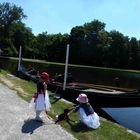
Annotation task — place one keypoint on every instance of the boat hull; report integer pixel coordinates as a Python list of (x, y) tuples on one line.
[(99, 98)]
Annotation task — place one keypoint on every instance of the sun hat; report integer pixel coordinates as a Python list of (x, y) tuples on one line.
[(82, 98), (44, 75)]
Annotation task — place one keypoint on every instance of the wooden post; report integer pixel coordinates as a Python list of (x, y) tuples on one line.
[(19, 59), (66, 67)]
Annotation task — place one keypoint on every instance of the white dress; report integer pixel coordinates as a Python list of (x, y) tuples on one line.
[(41, 103), (91, 120)]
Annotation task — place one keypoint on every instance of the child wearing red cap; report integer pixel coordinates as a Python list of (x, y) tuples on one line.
[(86, 112), (41, 98)]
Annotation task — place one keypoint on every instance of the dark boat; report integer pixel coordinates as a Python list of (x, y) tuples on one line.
[(99, 95), (28, 74)]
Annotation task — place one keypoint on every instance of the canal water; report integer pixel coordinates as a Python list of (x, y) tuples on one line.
[(127, 117), (93, 75)]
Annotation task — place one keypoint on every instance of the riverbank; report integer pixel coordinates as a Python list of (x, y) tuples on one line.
[(18, 120), (107, 130)]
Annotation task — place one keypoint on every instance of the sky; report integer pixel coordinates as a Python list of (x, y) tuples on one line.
[(60, 16)]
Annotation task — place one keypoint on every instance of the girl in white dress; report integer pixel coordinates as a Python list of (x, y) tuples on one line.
[(40, 101), (86, 112)]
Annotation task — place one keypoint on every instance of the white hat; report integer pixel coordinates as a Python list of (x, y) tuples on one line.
[(82, 98)]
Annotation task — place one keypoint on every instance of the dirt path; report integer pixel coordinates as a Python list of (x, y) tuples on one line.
[(17, 120)]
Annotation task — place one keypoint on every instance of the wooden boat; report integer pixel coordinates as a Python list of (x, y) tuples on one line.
[(99, 96), (28, 75)]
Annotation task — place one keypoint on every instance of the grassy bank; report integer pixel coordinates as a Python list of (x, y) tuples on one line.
[(107, 130)]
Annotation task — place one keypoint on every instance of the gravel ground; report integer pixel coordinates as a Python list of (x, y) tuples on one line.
[(17, 120)]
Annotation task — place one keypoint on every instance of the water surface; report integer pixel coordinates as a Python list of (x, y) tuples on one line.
[(127, 117)]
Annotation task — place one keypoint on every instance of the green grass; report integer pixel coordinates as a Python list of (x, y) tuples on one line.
[(75, 65), (107, 130)]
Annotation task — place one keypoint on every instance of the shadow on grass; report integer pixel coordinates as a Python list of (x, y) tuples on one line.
[(54, 98), (79, 127), (30, 125)]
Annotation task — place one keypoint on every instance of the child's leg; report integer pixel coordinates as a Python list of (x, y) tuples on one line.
[(38, 116)]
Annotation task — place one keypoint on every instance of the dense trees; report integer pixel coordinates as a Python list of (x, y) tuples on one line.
[(90, 44), (10, 15)]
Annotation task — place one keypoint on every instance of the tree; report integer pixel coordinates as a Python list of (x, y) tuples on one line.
[(102, 52), (84, 41), (41, 45), (9, 14), (22, 36), (77, 37), (118, 51), (134, 53)]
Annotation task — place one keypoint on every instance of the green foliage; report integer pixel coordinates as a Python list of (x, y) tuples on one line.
[(8, 47), (85, 42), (134, 53), (50, 47), (12, 31), (9, 14), (90, 43), (94, 26)]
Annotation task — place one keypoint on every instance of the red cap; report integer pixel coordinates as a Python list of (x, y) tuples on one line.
[(44, 75)]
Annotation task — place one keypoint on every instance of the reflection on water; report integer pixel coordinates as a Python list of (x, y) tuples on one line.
[(127, 117)]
